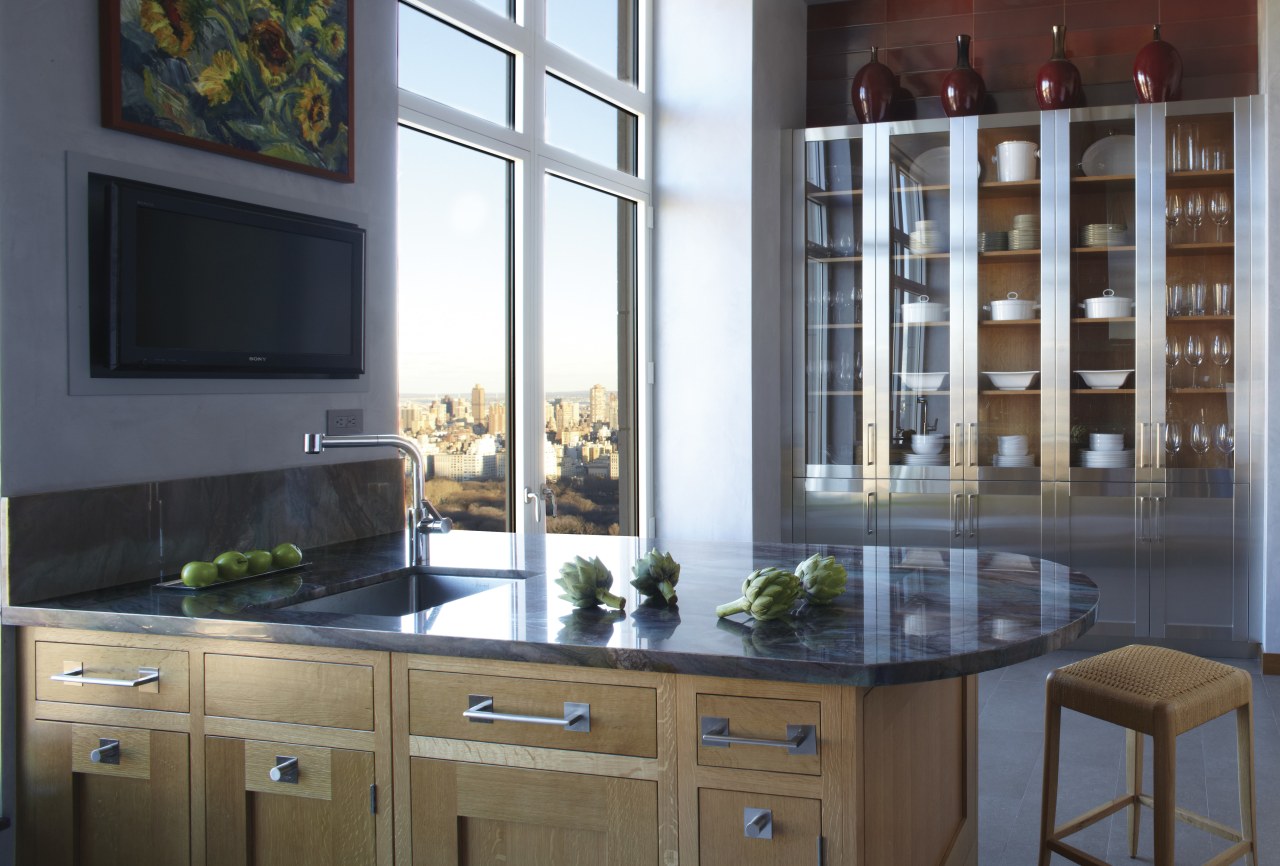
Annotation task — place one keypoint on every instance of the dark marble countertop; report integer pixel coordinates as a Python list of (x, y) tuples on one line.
[(908, 614)]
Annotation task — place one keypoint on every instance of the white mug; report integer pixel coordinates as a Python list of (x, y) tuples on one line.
[(1016, 160)]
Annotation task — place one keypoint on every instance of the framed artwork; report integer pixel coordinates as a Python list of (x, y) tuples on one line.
[(265, 80)]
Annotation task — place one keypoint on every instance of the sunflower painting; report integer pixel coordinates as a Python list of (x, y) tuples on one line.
[(268, 80)]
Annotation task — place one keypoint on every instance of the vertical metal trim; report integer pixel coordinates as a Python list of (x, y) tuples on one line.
[(1149, 270), (971, 306), (1061, 334), (1151, 571), (875, 323), (1049, 289), (1246, 227), (962, 207)]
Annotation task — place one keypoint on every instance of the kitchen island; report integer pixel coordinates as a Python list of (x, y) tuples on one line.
[(661, 735)]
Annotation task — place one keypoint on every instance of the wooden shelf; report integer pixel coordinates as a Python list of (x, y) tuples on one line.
[(902, 257), (1180, 179), (1088, 251), (922, 324), (835, 393), (1207, 392), (1193, 319), (1085, 321), (1007, 323), (1103, 391), (1198, 248), (946, 393), (929, 187), (1102, 180), (1011, 392), (835, 259), (850, 327), (1008, 188), (1003, 256), (815, 193)]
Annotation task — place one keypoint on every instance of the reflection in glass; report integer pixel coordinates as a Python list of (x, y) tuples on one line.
[(431, 55), (501, 7), (590, 127), (601, 32)]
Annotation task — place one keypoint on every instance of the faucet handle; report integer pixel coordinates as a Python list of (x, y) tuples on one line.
[(434, 521)]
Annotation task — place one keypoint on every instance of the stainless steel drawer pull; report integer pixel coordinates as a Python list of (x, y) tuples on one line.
[(577, 717), (77, 677), (285, 770), (757, 823), (108, 752), (801, 739)]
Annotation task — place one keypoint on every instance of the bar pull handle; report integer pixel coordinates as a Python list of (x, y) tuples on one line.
[(285, 770), (870, 446), (972, 444), (1157, 519), (1140, 443), (957, 514), (870, 514), (801, 739), (1142, 519), (757, 823), (973, 515), (108, 752), (577, 717), (76, 677), (1158, 445), (957, 445)]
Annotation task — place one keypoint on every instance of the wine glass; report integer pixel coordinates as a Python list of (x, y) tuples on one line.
[(1195, 213), (1220, 210), (1172, 213), (1224, 438), (1201, 437), (1172, 438), (1220, 354), (1193, 355)]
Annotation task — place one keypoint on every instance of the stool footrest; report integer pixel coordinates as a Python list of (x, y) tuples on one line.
[(1231, 855), (1093, 816), (1074, 854), (1199, 821)]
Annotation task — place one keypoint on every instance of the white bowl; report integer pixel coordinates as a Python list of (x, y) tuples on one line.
[(1012, 449), (925, 444), (1106, 441), (922, 381), (1104, 380), (1012, 309), (1012, 381), (923, 310)]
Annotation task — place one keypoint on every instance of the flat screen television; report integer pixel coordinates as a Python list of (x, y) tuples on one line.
[(188, 285)]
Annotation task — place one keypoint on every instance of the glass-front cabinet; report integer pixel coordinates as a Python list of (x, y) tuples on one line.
[(1022, 333)]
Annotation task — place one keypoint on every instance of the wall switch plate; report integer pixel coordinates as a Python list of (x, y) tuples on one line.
[(341, 422)]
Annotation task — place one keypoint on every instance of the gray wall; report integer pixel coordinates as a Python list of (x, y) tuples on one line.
[(729, 79), (51, 440)]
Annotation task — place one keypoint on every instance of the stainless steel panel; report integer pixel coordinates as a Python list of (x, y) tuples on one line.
[(1193, 569), (1149, 275), (1101, 526), (923, 513), (838, 512), (1007, 516)]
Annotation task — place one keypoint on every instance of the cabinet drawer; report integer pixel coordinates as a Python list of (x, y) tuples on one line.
[(786, 830), (121, 665), (763, 719), (622, 719), (325, 694)]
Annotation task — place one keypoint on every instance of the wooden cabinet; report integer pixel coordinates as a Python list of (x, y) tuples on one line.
[(760, 829)]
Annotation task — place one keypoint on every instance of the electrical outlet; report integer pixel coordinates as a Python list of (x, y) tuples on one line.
[(339, 422)]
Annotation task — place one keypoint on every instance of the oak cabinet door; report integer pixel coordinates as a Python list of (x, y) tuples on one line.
[(473, 814), (792, 825), (318, 813), (132, 807)]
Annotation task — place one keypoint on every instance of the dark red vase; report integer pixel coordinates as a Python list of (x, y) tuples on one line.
[(963, 90), (872, 90), (1058, 83), (1157, 71)]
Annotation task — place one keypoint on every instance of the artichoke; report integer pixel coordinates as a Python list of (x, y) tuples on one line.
[(586, 583), (823, 578), (655, 620), (767, 593), (589, 626), (656, 575)]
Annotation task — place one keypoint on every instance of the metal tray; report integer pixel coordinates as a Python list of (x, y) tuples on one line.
[(170, 582)]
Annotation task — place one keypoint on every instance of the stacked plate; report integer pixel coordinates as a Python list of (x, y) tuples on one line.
[(1106, 459), (1014, 460), (926, 238), (990, 242), (913, 459), (1025, 234), (1103, 235)]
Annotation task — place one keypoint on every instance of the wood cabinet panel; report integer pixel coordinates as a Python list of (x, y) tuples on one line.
[(285, 690), (471, 814), (796, 825), (758, 718), (171, 692), (623, 718)]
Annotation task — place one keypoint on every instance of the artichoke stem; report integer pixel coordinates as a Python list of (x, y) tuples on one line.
[(668, 591), (732, 607), (606, 597)]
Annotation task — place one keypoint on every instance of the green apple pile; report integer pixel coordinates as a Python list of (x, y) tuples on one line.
[(234, 564)]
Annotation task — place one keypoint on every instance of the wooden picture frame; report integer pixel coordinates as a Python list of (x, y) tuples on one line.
[(270, 80)]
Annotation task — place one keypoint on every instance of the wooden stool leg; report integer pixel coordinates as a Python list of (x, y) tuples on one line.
[(1133, 782), (1164, 763), (1244, 756), (1049, 790)]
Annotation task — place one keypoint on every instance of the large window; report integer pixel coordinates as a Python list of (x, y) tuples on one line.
[(523, 190)]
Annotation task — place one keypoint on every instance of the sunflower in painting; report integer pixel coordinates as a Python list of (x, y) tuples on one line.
[(270, 46), (312, 111), (169, 23), (215, 81)]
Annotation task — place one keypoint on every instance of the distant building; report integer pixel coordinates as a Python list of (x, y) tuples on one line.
[(477, 403), (598, 404), (496, 422), (469, 467)]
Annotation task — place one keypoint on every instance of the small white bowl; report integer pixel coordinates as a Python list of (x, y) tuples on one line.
[(1012, 449), (922, 381), (923, 444), (1104, 380), (1106, 441), (1012, 381)]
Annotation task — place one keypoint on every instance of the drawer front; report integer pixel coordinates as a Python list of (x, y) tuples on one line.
[(130, 759), (765, 719), (311, 774), (296, 692), (622, 719), (120, 665), (786, 830)]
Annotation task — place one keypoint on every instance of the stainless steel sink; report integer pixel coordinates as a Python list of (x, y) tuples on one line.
[(409, 590)]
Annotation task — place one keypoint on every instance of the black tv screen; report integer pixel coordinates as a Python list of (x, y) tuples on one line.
[(183, 284)]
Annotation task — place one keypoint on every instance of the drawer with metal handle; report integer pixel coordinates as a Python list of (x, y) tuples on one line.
[(584, 717), (748, 733), (111, 751), (131, 677)]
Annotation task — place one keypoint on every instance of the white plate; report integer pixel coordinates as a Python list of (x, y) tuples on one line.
[(924, 459), (1110, 155), (932, 166)]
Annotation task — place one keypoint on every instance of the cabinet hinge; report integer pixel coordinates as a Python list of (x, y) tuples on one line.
[(373, 799)]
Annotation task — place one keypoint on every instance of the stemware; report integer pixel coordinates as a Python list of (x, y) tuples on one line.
[(1220, 211), (1172, 356), (1172, 213), (1200, 439), (1193, 355), (1220, 354), (1224, 438), (1195, 214), (1172, 438)]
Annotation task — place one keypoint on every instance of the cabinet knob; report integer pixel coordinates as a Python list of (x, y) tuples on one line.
[(757, 823), (108, 752), (285, 770)]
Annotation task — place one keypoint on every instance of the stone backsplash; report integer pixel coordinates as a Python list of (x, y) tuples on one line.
[(73, 541)]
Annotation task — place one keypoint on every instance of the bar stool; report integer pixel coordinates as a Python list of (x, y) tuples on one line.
[(1161, 692)]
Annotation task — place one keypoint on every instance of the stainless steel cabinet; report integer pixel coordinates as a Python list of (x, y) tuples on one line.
[(960, 364)]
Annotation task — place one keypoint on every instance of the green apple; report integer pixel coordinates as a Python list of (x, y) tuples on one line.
[(199, 573), (286, 555), (197, 606), (259, 561), (231, 565)]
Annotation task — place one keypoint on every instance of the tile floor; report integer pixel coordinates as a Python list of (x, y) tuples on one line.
[(1010, 757)]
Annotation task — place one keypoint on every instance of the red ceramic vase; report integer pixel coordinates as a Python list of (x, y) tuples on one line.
[(1058, 84), (1157, 71), (872, 90), (963, 90)]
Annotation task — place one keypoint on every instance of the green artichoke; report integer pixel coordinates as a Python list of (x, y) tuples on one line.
[(589, 626), (656, 575), (823, 578), (586, 583), (767, 593)]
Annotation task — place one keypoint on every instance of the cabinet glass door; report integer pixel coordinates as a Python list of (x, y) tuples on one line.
[(1104, 237), (834, 363)]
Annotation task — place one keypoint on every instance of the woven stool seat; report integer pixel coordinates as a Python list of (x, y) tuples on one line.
[(1162, 693)]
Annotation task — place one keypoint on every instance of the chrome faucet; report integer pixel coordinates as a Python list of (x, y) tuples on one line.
[(421, 518)]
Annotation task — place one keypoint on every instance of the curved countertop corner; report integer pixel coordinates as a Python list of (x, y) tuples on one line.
[(908, 614)]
